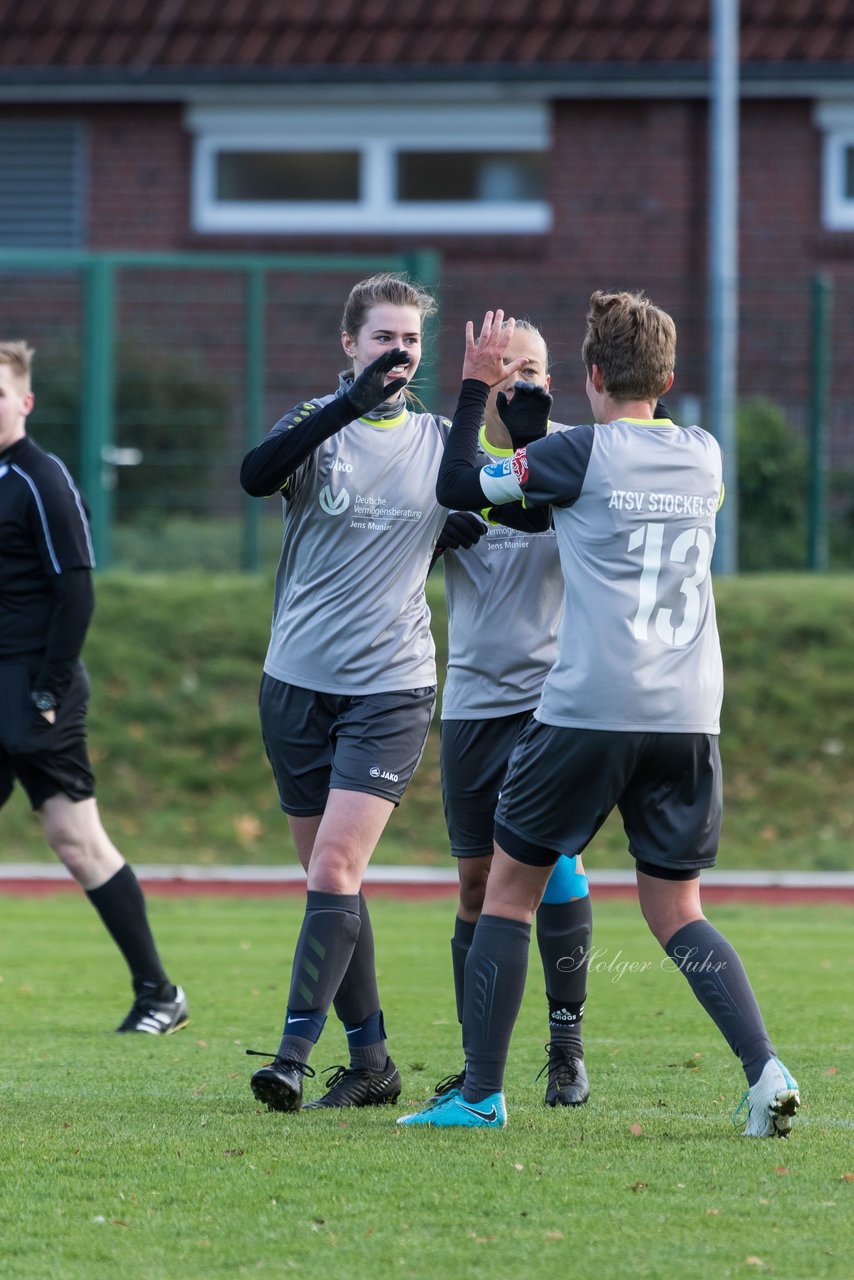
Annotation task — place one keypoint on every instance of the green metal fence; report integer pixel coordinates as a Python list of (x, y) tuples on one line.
[(98, 316), (179, 363)]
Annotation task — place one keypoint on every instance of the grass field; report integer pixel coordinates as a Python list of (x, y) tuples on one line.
[(175, 662), (149, 1160)]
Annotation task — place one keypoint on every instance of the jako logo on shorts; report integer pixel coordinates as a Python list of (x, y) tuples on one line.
[(376, 772), (334, 504)]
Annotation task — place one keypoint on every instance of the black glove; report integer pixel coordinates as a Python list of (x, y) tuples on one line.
[(526, 416), (661, 410), (369, 389), (461, 529)]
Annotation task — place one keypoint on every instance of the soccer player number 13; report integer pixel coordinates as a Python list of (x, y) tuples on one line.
[(651, 538)]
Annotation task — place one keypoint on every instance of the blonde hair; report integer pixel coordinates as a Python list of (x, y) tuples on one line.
[(19, 357), (528, 326), (632, 342), (385, 287)]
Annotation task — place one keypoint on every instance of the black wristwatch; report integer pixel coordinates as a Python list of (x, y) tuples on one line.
[(42, 700)]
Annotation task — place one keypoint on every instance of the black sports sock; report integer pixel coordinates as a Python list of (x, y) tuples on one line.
[(329, 931), (357, 1001), (495, 982), (460, 945), (121, 905), (358, 996), (717, 978), (564, 930)]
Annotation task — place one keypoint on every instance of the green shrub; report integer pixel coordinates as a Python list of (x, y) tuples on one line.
[(166, 406), (772, 489)]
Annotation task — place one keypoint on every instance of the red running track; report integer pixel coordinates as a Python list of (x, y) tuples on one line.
[(778, 895)]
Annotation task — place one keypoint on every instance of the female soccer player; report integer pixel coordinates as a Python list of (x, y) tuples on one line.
[(509, 586), (349, 679), (630, 713)]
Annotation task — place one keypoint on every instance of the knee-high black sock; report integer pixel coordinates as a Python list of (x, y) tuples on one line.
[(495, 982), (717, 978), (121, 905), (357, 1001), (329, 931), (564, 931), (460, 946)]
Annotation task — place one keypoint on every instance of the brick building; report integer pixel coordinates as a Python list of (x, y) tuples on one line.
[(542, 150)]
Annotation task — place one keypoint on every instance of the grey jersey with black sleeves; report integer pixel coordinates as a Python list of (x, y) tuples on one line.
[(633, 504), (504, 597), (360, 522)]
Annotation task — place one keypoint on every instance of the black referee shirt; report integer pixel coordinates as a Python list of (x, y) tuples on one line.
[(44, 534)]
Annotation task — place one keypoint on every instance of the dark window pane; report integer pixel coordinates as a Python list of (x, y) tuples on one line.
[(42, 189), (849, 173), (288, 175), (490, 176)]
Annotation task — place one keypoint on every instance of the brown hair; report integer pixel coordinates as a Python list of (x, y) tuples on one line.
[(633, 342), (384, 288), (19, 357)]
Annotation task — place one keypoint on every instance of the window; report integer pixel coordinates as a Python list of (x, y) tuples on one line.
[(366, 169), (837, 122), (295, 176), (41, 192)]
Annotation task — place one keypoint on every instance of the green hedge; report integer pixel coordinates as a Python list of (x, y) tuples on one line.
[(175, 662)]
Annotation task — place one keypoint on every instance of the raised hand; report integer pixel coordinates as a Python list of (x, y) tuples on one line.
[(526, 413), (370, 388), (484, 358)]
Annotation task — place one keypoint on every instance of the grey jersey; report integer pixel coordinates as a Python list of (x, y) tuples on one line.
[(634, 508), (504, 596), (360, 523)]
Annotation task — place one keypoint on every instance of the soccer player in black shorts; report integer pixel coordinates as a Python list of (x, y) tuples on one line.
[(349, 678), (46, 602), (505, 600), (629, 716)]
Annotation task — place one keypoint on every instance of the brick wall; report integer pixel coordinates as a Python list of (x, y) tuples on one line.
[(629, 189)]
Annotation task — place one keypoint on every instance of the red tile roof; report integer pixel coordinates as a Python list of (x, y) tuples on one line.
[(141, 37)]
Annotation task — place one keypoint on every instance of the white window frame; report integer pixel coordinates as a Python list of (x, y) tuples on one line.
[(377, 133), (836, 120)]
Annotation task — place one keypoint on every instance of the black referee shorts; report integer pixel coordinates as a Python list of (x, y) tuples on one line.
[(562, 784), (47, 759)]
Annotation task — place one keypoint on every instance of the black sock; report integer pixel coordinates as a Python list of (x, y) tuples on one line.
[(121, 905), (564, 930), (495, 982), (329, 931), (717, 978), (460, 945), (357, 1000)]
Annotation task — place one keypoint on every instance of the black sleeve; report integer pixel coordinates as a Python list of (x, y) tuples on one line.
[(458, 482), (517, 516), (294, 438), (74, 603)]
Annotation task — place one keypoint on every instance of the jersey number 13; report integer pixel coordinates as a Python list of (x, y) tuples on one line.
[(651, 538)]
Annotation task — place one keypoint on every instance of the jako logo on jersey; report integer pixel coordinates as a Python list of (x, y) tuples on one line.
[(338, 465), (519, 466), (332, 504), (376, 772)]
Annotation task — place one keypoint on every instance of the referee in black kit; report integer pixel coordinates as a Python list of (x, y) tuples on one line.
[(46, 602)]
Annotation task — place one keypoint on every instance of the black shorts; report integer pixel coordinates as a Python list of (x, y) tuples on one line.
[(47, 759), (319, 741), (474, 755), (562, 783)]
